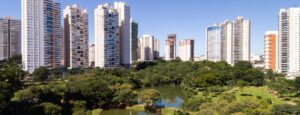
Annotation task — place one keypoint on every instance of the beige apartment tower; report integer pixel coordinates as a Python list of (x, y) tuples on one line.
[(107, 37), (10, 38), (186, 50), (75, 37), (149, 48), (170, 48), (92, 55), (124, 32)]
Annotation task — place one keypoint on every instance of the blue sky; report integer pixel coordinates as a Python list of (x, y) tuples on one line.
[(186, 18)]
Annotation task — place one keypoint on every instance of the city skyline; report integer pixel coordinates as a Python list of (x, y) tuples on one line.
[(166, 57), (171, 20)]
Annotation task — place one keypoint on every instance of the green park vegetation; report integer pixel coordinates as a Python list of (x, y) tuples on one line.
[(214, 88)]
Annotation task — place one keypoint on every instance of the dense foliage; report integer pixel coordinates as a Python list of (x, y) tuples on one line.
[(10, 75), (79, 91), (40, 74)]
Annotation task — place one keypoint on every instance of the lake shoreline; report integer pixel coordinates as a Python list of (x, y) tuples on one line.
[(171, 100)]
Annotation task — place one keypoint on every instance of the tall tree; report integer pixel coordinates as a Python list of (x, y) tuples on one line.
[(40, 74)]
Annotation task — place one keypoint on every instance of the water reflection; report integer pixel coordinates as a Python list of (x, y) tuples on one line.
[(171, 97)]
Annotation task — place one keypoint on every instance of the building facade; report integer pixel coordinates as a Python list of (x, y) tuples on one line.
[(186, 50), (107, 37), (156, 49), (213, 43), (92, 55), (270, 50), (41, 34), (289, 41), (170, 48), (229, 41), (75, 37), (294, 40), (124, 26), (148, 48), (283, 37), (133, 41), (10, 38), (241, 40)]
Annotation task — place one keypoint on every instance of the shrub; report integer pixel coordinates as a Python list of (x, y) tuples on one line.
[(244, 94)]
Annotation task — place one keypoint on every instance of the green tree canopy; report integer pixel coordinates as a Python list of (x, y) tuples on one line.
[(150, 96), (40, 74)]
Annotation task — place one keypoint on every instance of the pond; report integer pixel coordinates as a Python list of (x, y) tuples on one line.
[(171, 97)]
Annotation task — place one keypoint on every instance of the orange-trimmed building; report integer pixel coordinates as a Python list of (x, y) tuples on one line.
[(270, 50)]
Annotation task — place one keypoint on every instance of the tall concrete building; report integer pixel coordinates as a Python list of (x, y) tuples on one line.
[(133, 41), (229, 41), (41, 34), (170, 48), (107, 38), (283, 41), (149, 48), (92, 55), (294, 40), (10, 38), (186, 50), (241, 39), (156, 49), (213, 43), (75, 37), (124, 26), (139, 50), (289, 41), (270, 50)]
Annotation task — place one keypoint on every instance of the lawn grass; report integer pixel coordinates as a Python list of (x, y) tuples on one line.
[(168, 111), (136, 108), (263, 92), (97, 111), (165, 111)]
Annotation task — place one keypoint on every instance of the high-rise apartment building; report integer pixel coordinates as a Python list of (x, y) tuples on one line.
[(241, 39), (92, 55), (229, 41), (139, 50), (41, 34), (133, 40), (294, 40), (10, 38), (124, 26), (289, 41), (270, 50), (149, 48), (170, 48), (213, 43), (107, 37), (186, 50), (283, 41), (156, 49), (75, 37)]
